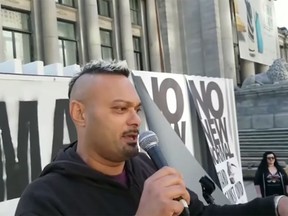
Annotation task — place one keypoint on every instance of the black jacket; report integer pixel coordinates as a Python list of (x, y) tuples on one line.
[(260, 179), (67, 186)]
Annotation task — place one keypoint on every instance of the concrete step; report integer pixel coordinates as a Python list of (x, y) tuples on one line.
[(274, 139), (248, 173), (255, 163), (260, 136), (251, 158), (264, 132), (257, 144), (272, 130), (263, 138), (261, 150), (245, 159), (260, 153), (258, 147), (261, 147)]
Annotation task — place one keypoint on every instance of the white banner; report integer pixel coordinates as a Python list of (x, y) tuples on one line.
[(257, 30), (34, 123), (212, 102)]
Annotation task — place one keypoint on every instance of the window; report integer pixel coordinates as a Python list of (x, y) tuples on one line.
[(66, 2), (106, 44), (135, 12), (104, 8), (67, 43), (16, 35), (137, 53)]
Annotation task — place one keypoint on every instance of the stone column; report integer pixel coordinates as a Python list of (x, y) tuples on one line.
[(211, 38), (153, 37), (190, 16), (126, 33), (259, 68), (116, 27), (227, 40), (203, 37), (50, 32), (92, 30), (37, 37), (170, 27), (2, 56), (247, 69)]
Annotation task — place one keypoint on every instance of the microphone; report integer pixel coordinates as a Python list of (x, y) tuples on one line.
[(148, 141)]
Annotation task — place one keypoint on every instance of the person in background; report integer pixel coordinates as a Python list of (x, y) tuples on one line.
[(103, 172), (270, 178)]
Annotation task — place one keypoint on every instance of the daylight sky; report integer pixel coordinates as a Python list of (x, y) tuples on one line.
[(281, 10)]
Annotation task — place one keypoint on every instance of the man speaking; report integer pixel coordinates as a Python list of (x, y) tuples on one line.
[(103, 173)]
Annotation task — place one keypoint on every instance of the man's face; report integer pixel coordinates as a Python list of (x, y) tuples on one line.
[(112, 121)]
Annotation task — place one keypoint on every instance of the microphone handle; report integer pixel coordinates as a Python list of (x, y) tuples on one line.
[(159, 161), (157, 157)]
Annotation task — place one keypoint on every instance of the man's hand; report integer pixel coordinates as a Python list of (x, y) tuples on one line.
[(283, 206), (160, 193)]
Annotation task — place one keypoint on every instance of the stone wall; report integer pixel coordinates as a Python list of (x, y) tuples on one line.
[(262, 116), (262, 107)]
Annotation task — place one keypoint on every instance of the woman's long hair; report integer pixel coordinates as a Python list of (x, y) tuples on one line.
[(263, 166)]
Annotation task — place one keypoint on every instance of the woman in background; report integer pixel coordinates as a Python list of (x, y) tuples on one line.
[(270, 178)]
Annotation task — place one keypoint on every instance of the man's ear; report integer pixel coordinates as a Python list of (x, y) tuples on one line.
[(77, 112)]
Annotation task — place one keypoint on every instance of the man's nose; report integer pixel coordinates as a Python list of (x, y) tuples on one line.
[(134, 118)]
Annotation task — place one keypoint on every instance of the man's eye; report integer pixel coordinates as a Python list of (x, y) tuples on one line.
[(120, 109), (139, 110)]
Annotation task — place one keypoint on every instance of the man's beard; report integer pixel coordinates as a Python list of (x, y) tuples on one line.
[(131, 152)]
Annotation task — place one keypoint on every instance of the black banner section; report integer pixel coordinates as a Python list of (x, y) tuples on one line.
[(19, 171), (62, 113), (23, 165), (28, 139), (7, 150)]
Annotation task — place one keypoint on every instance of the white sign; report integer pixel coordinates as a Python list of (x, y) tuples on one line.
[(34, 123), (257, 30), (212, 100)]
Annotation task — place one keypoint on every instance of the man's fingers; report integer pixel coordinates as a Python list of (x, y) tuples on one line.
[(166, 187), (170, 180), (163, 172), (177, 192), (176, 208), (166, 176)]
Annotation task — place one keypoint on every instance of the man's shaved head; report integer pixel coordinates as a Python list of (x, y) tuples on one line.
[(79, 81)]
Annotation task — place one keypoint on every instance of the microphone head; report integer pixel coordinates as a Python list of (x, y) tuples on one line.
[(147, 140)]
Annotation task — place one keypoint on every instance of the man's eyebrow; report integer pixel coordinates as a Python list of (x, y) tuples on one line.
[(139, 105), (120, 101), (126, 102)]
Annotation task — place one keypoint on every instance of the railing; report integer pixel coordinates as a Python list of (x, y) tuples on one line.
[(15, 66)]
